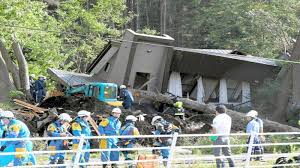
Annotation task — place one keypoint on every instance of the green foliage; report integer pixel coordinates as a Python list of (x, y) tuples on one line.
[(6, 105), (148, 31), (208, 142), (67, 37), (94, 21), (263, 95), (16, 94), (293, 113), (238, 140), (41, 48), (261, 28), (281, 148)]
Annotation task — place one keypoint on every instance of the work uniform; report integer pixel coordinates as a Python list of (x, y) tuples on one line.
[(108, 127), (54, 130), (17, 129), (165, 141), (40, 87), (2, 132), (127, 98), (254, 127), (81, 127), (129, 129), (179, 108), (32, 87)]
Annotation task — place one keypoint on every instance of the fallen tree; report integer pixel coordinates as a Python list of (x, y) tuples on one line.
[(238, 122)]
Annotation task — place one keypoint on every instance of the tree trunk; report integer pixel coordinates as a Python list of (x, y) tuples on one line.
[(23, 68), (11, 67), (133, 10), (5, 83), (147, 13), (137, 3), (163, 13), (238, 122)]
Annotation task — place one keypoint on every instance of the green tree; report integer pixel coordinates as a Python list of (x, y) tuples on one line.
[(67, 36), (263, 28), (42, 49), (94, 21)]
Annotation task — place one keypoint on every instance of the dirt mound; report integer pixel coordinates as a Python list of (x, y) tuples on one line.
[(99, 109), (73, 103)]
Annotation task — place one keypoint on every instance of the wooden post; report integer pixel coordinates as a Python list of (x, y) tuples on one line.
[(223, 99)]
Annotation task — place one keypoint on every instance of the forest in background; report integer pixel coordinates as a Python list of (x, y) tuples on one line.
[(68, 34)]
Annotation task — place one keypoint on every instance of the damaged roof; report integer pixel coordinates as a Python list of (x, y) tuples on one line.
[(221, 63), (70, 78), (228, 55)]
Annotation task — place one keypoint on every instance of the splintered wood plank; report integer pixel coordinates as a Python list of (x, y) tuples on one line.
[(94, 125), (30, 106)]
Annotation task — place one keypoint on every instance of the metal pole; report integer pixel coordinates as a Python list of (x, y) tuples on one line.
[(172, 150), (79, 151), (248, 156)]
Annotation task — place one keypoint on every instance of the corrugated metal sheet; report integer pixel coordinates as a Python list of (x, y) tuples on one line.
[(70, 78), (226, 54), (219, 51)]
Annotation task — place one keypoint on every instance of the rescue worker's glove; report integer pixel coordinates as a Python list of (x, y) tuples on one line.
[(2, 148), (67, 145)]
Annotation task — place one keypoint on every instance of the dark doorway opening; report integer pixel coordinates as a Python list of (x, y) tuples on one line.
[(140, 81)]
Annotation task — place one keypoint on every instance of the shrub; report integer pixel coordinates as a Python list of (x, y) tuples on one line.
[(16, 94)]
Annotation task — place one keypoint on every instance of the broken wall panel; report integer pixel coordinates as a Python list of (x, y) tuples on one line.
[(148, 59), (175, 86)]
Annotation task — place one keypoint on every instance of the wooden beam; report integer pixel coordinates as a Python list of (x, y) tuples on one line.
[(238, 119), (94, 125)]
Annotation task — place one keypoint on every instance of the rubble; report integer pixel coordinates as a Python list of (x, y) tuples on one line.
[(198, 116)]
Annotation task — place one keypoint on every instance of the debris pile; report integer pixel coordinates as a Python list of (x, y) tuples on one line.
[(198, 116)]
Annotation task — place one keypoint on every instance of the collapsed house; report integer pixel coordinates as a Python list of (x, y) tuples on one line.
[(151, 63)]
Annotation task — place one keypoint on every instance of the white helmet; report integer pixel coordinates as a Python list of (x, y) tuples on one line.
[(65, 117), (154, 119), (116, 110), (83, 113), (252, 114), (32, 75), (7, 114), (122, 87), (43, 77), (131, 118)]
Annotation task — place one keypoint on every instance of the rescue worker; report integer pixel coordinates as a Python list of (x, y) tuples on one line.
[(2, 129), (17, 129), (40, 88), (253, 127), (32, 85), (179, 108), (109, 127), (59, 128), (163, 127), (81, 127), (129, 129), (126, 96)]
